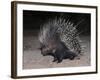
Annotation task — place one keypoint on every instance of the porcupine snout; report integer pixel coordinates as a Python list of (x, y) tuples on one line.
[(45, 50)]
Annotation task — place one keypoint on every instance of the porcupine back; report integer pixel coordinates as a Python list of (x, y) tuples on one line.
[(65, 30)]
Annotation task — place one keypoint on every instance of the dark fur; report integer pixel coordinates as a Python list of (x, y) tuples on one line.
[(61, 52)]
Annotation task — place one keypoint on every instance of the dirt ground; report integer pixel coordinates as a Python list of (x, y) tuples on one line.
[(33, 59)]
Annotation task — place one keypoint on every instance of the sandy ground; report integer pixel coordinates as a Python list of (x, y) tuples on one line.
[(33, 59)]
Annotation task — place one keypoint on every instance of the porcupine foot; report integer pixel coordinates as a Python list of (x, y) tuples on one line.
[(72, 57), (55, 59), (59, 60)]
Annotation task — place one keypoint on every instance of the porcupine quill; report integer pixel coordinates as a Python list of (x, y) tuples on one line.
[(59, 37)]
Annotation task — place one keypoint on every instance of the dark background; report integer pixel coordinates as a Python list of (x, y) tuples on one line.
[(32, 20)]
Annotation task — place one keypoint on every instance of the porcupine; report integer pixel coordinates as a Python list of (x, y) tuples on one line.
[(59, 38)]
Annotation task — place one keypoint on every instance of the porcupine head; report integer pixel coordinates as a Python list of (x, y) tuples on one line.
[(49, 47)]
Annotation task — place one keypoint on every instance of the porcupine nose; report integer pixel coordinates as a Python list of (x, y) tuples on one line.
[(43, 53)]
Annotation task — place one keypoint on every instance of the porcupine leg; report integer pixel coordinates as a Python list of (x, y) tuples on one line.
[(59, 59), (72, 55), (59, 56), (55, 58)]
